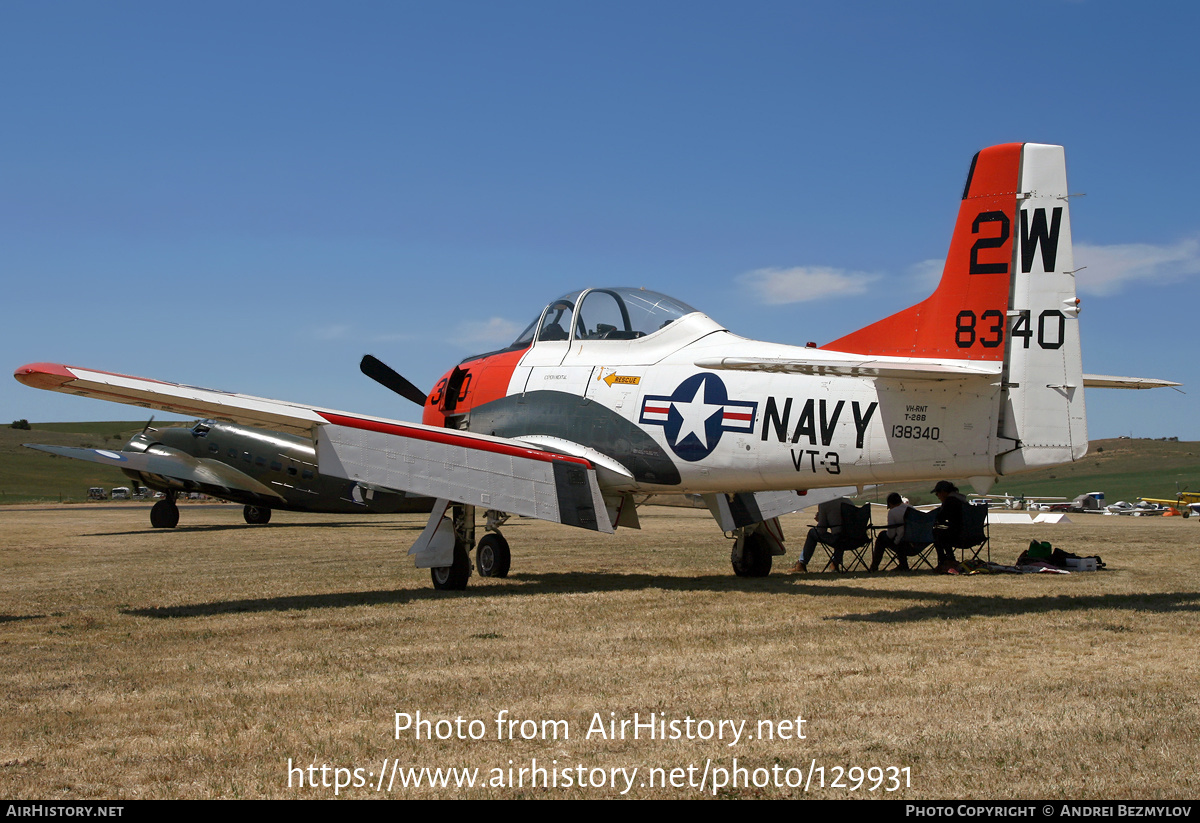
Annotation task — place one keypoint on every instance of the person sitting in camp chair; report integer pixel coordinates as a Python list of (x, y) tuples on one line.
[(829, 525), (892, 539), (949, 524)]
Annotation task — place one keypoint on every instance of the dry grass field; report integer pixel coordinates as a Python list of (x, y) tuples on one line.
[(196, 663)]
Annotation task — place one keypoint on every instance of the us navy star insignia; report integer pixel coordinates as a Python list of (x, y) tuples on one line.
[(696, 414)]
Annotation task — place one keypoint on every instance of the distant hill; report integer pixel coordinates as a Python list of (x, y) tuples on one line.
[(1123, 469), (27, 475)]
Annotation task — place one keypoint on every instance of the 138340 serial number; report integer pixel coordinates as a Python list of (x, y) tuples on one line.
[(916, 432)]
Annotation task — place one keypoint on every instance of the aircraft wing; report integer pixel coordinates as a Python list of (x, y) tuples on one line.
[(173, 397), (912, 369), (178, 467), (1109, 381), (474, 469)]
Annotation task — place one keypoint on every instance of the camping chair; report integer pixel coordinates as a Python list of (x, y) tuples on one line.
[(853, 537), (918, 539), (974, 536)]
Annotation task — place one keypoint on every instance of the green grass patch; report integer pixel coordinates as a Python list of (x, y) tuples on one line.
[(27, 475)]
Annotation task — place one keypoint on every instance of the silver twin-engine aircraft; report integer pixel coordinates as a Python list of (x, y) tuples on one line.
[(612, 393), (263, 470)]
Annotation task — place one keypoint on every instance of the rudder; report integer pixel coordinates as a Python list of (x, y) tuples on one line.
[(1042, 412)]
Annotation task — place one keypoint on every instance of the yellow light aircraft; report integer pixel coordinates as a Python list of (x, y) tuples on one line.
[(1185, 502)]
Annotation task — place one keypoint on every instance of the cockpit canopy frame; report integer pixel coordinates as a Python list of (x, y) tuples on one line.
[(617, 313)]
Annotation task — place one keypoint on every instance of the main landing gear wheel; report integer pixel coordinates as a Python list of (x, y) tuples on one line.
[(257, 515), (164, 514), (453, 577), (756, 557), (492, 557)]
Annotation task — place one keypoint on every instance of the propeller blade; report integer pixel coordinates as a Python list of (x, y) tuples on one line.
[(385, 375)]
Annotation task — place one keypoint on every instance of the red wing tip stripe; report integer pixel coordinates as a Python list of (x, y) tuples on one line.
[(451, 438), (44, 375), (44, 368)]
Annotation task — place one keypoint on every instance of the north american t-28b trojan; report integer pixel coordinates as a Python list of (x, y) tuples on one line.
[(615, 392)]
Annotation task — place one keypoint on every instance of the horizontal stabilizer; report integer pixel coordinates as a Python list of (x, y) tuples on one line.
[(914, 369), (1109, 381), (734, 511)]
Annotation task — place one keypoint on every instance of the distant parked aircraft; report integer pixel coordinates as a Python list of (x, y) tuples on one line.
[(263, 470), (1188, 503)]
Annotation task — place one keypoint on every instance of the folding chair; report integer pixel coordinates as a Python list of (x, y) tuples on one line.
[(918, 540), (853, 538), (974, 536)]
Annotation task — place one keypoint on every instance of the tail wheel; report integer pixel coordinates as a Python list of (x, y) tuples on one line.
[(164, 514), (257, 515), (455, 576), (756, 557), (492, 557)]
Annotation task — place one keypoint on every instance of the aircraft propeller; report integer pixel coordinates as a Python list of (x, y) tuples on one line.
[(385, 375)]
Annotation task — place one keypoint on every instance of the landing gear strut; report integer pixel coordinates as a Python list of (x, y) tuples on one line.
[(165, 514), (492, 555)]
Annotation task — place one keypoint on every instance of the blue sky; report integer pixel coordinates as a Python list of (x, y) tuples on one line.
[(250, 196)]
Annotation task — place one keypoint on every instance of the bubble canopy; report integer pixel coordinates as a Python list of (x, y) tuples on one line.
[(619, 313)]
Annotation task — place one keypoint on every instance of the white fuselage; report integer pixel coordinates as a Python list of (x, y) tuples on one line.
[(733, 430)]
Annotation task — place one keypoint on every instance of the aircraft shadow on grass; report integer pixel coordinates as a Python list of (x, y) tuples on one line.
[(212, 528), (933, 606), (957, 606)]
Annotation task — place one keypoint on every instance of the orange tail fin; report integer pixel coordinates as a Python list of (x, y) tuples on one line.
[(965, 318)]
